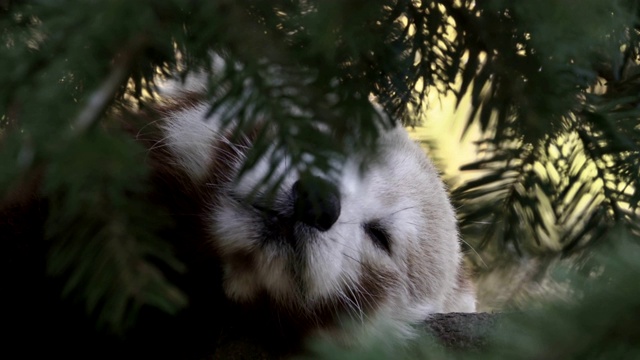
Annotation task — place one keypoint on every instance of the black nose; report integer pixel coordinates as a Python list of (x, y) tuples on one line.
[(316, 202)]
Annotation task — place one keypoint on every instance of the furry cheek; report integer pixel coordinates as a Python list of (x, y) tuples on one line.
[(332, 264), (232, 229)]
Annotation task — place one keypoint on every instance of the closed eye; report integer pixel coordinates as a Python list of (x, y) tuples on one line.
[(378, 235)]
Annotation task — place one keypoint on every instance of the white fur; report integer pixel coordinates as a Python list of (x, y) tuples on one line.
[(401, 190), (191, 139)]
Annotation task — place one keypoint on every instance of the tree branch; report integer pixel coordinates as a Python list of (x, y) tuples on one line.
[(102, 97)]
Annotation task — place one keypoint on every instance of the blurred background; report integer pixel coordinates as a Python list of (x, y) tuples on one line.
[(529, 108)]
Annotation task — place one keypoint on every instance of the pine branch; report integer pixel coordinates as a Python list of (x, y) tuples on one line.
[(100, 99)]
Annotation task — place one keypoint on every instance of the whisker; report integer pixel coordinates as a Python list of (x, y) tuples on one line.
[(476, 252), (352, 258), (147, 125), (404, 209)]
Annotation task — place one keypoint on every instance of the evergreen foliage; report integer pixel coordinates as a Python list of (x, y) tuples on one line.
[(553, 84), (560, 159)]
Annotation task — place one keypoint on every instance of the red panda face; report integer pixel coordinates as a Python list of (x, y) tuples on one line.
[(373, 247)]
